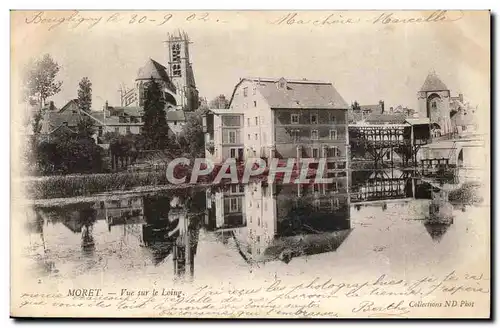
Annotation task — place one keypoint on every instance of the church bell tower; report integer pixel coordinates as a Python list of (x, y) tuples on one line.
[(181, 71)]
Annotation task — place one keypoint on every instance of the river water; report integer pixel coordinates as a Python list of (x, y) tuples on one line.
[(256, 231)]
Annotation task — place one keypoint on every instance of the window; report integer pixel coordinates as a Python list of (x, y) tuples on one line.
[(258, 221), (233, 153), (333, 119), (127, 129), (254, 90), (333, 134), (333, 152), (100, 131), (315, 187), (233, 204), (249, 136), (248, 121), (256, 137), (254, 103), (314, 118), (262, 120), (314, 134), (295, 135), (117, 130), (388, 155), (433, 105), (232, 136), (295, 118), (315, 152), (245, 92), (176, 70), (232, 120), (176, 52), (175, 122), (256, 121)]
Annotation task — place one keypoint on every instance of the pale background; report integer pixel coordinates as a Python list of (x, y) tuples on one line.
[(253, 67)]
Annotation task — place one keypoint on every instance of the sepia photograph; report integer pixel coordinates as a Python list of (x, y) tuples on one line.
[(250, 164)]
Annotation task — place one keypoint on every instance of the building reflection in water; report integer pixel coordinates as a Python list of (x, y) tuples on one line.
[(165, 225), (279, 222), (396, 184), (440, 216)]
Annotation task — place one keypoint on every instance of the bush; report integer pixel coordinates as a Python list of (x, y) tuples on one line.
[(67, 155)]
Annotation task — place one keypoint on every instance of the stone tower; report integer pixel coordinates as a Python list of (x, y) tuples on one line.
[(434, 102), (180, 70)]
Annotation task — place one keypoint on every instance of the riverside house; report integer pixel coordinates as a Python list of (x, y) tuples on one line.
[(279, 118)]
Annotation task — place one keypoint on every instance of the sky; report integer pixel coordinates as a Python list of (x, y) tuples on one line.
[(366, 61)]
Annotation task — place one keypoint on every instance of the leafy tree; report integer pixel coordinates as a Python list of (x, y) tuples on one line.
[(85, 124), (39, 83), (219, 102), (193, 138), (85, 95), (155, 122), (40, 79)]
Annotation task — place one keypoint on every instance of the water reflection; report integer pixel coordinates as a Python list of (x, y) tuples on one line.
[(279, 222), (257, 223)]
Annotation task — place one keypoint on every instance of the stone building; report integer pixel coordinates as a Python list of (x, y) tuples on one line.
[(281, 118), (434, 100)]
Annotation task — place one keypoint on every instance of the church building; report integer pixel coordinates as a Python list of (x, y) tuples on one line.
[(176, 78)]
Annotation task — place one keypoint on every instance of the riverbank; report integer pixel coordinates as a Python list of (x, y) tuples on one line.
[(91, 184)]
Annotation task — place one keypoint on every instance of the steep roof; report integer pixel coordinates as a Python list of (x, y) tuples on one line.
[(73, 103), (433, 83), (153, 69), (52, 120), (298, 94)]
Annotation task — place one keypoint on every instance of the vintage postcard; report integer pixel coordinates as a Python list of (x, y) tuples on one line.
[(250, 164)]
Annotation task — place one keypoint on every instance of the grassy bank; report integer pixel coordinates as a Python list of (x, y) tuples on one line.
[(85, 185)]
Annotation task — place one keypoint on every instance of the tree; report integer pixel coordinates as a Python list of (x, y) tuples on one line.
[(193, 136), (40, 79), (39, 83), (155, 122), (85, 124), (85, 95), (219, 102)]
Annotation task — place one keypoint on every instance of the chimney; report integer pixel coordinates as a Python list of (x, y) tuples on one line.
[(105, 108), (381, 104)]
